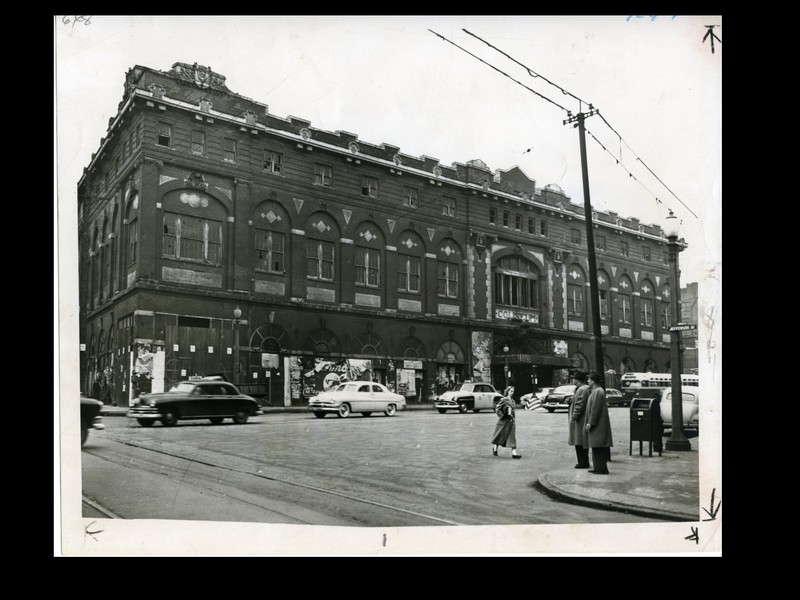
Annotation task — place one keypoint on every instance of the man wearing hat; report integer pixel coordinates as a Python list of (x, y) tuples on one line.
[(578, 436)]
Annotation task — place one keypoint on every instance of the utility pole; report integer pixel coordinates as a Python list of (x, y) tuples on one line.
[(594, 290)]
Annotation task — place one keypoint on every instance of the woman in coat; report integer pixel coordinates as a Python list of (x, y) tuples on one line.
[(598, 426), (505, 432), (578, 435)]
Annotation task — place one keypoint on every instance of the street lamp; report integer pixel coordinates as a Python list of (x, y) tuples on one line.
[(505, 350), (237, 318), (677, 440)]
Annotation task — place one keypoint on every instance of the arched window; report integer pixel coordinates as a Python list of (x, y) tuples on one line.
[(410, 252), (603, 284), (516, 282), (270, 224), (646, 318), (321, 248), (368, 249), (448, 265), (576, 282), (666, 314)]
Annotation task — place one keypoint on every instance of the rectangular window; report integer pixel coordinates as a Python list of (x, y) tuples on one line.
[(665, 317), (269, 247), (518, 222), (506, 219), (408, 274), (575, 236), (410, 197), (626, 249), (229, 150), (646, 253), (139, 134), (449, 207), (164, 135), (323, 175), (126, 153), (493, 216), (191, 238), (198, 143), (133, 241), (369, 186), (448, 280), (531, 225), (647, 312), (368, 267), (603, 304), (600, 242), (319, 260), (624, 308), (543, 228), (273, 161), (514, 290), (118, 165), (575, 299)]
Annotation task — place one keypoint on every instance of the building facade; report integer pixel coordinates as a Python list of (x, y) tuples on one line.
[(216, 237)]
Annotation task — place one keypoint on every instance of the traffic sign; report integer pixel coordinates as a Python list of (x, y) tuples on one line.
[(683, 327)]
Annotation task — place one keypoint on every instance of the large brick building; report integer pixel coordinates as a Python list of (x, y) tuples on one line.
[(346, 258)]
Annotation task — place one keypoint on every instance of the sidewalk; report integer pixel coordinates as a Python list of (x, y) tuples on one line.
[(662, 487)]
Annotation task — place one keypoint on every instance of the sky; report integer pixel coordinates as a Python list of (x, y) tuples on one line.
[(391, 80)]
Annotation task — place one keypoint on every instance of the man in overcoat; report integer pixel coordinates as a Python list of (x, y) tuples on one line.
[(598, 426), (578, 436)]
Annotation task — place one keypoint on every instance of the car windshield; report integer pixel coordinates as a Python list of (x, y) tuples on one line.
[(462, 387), (181, 388), (346, 386), (564, 389)]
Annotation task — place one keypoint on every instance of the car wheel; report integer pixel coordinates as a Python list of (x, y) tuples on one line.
[(550, 409), (442, 410), (216, 420), (320, 414), (84, 434), (462, 408), (240, 418), (145, 422), (170, 418), (391, 410), (344, 411)]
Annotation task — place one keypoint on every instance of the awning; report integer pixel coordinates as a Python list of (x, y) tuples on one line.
[(562, 362)]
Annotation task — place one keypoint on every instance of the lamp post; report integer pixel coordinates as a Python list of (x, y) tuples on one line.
[(237, 318), (677, 439), (505, 351)]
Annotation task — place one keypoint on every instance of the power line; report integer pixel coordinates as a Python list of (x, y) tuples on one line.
[(502, 72), (533, 74)]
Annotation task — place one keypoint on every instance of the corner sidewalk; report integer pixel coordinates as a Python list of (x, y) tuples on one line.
[(662, 487)]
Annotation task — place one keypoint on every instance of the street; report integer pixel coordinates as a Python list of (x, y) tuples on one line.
[(418, 468)]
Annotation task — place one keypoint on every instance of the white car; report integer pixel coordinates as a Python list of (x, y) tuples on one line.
[(468, 395), (691, 408), (365, 397), (534, 400)]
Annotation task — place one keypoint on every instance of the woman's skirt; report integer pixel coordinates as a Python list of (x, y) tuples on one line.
[(505, 433)]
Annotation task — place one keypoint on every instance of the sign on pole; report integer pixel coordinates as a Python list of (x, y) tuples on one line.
[(683, 327)]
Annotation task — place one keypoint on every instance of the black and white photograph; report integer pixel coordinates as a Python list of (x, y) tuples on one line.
[(388, 285)]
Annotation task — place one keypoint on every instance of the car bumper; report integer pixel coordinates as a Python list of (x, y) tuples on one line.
[(449, 404), (143, 412)]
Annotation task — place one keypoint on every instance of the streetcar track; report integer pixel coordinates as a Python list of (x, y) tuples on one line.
[(279, 480)]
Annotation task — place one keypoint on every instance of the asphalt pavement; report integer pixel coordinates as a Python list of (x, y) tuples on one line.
[(662, 487)]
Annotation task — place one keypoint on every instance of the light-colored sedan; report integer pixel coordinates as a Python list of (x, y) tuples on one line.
[(365, 397), (691, 408)]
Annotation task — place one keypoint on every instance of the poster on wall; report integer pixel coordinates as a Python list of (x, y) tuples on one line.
[(270, 361), (296, 377), (321, 375), (406, 383), (481, 356)]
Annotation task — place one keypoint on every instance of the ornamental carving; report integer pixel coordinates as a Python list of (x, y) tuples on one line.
[(201, 76), (197, 181)]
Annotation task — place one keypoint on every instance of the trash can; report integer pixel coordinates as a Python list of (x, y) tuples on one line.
[(646, 425)]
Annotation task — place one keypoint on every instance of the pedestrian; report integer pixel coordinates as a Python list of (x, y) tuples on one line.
[(578, 436), (505, 432), (598, 426), (509, 393), (97, 389)]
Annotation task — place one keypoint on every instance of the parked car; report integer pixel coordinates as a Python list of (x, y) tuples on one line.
[(615, 398), (691, 408), (534, 399), (560, 397), (365, 397), (468, 395), (204, 399), (90, 417)]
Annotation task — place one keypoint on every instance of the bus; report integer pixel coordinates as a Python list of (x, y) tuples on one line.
[(632, 383)]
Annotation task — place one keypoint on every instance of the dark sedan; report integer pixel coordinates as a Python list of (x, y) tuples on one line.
[(212, 400), (90, 417), (560, 397)]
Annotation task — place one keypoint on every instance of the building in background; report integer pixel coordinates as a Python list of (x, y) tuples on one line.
[(689, 338), (347, 259)]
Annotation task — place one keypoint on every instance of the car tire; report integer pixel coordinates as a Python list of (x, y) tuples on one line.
[(462, 407), (442, 410), (216, 420), (145, 422), (240, 418), (391, 410), (344, 411), (366, 414), (170, 418), (320, 414)]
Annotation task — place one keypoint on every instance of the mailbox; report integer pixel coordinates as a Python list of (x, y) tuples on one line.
[(646, 425)]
